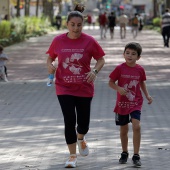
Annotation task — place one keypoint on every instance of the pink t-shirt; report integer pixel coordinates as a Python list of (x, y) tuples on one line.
[(74, 57), (129, 78)]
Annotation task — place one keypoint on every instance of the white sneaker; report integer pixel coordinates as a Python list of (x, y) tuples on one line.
[(71, 162), (83, 147)]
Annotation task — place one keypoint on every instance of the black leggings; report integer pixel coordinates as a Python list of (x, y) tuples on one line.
[(75, 108)]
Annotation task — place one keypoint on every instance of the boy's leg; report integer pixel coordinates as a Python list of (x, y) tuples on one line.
[(135, 118), (124, 137), (136, 135), (122, 121)]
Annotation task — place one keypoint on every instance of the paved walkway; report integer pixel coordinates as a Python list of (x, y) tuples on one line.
[(31, 122)]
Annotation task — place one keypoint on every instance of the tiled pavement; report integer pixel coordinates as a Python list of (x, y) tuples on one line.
[(31, 122)]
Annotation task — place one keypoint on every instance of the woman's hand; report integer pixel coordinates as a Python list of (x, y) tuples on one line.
[(91, 77), (51, 68)]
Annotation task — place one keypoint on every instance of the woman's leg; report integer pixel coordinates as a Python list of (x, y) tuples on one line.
[(67, 104), (83, 106)]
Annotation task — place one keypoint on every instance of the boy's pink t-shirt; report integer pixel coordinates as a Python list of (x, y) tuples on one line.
[(74, 57), (129, 78)]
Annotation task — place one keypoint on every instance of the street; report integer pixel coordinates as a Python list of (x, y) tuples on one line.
[(31, 122)]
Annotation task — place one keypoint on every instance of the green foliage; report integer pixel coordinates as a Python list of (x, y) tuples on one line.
[(152, 27), (17, 29), (156, 21), (5, 29)]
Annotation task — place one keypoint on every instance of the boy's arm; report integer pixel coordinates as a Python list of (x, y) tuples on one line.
[(119, 89), (145, 91)]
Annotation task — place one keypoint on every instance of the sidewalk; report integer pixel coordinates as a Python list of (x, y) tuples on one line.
[(31, 122)]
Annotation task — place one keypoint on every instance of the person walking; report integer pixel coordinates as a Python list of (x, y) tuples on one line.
[(165, 26), (89, 20), (103, 25), (3, 68), (58, 21), (74, 80), (111, 23), (141, 22), (135, 25), (93, 20), (123, 21), (128, 79)]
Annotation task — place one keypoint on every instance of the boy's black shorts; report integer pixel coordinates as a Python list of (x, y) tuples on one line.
[(122, 120)]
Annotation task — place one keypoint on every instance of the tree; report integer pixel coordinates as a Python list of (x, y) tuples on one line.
[(27, 7), (37, 6), (48, 9), (167, 3), (18, 8)]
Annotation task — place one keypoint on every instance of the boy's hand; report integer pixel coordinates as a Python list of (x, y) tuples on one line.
[(149, 98), (122, 91)]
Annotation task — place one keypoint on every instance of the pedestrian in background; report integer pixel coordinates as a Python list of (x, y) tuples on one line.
[(128, 79), (135, 25), (3, 68), (141, 22), (89, 20), (93, 19), (58, 21), (103, 21), (165, 26), (74, 81), (123, 21), (111, 23)]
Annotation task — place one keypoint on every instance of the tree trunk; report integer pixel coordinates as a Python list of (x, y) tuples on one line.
[(48, 9), (37, 6), (27, 7), (18, 8), (167, 3), (154, 8)]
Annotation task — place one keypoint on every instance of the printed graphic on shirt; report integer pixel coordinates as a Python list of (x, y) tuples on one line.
[(73, 65), (131, 92)]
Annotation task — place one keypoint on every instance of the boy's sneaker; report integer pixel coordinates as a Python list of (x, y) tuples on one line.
[(124, 157), (136, 160), (71, 162), (83, 147)]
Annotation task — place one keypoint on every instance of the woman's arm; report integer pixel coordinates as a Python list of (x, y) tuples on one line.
[(91, 76), (100, 63), (50, 66)]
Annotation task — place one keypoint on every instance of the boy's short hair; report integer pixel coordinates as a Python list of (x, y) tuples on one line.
[(134, 46), (1, 48)]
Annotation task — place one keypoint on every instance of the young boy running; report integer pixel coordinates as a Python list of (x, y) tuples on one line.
[(128, 79)]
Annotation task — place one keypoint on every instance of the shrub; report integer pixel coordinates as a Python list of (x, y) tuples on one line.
[(5, 29), (156, 21)]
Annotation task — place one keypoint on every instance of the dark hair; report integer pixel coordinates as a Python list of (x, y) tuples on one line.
[(76, 13), (1, 48), (134, 46), (167, 10)]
